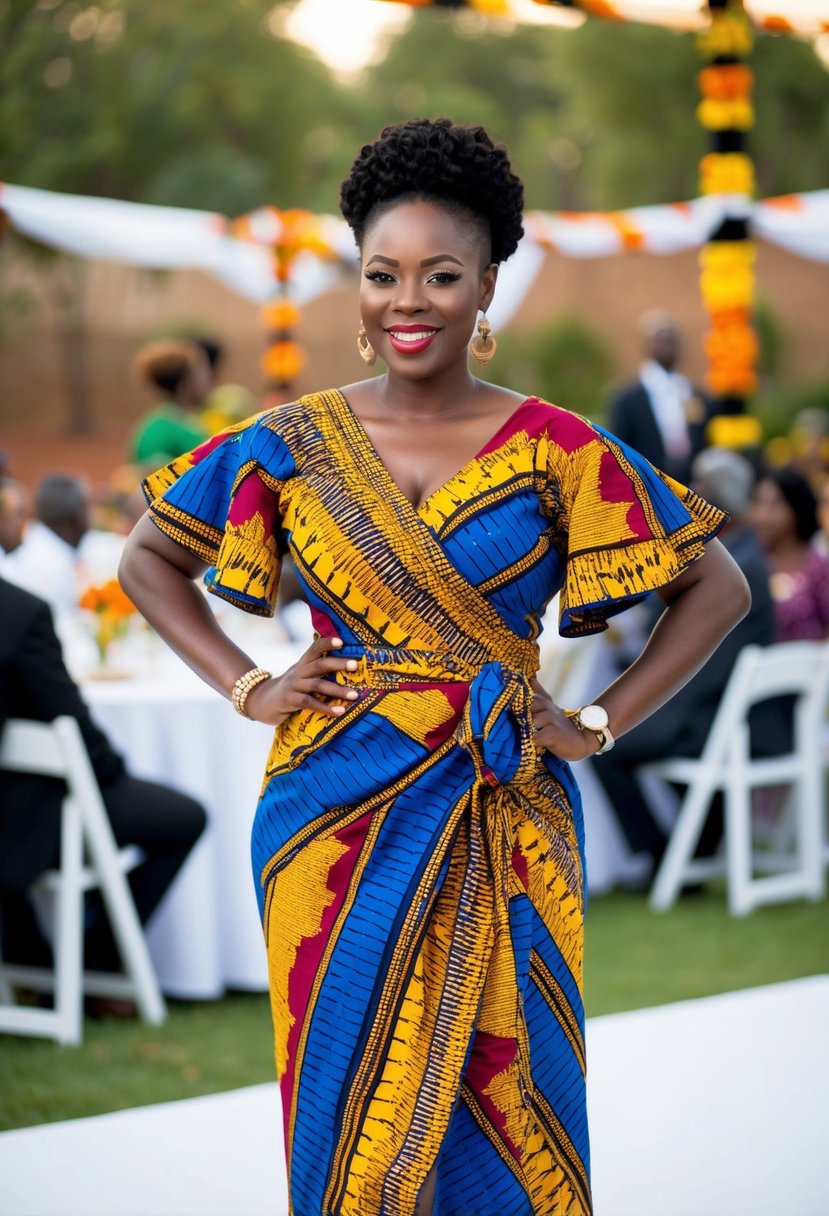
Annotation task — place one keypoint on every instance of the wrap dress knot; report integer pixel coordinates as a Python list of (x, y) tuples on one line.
[(419, 867)]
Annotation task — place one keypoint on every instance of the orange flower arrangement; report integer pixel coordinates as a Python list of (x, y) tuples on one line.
[(732, 349), (734, 431), (735, 114), (728, 34), (283, 361), (727, 173), (727, 266), (726, 81), (280, 314), (112, 609), (727, 275)]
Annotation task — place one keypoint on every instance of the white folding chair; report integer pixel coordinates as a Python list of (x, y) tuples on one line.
[(57, 750), (799, 668)]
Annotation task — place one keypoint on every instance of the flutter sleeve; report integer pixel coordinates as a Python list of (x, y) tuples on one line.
[(221, 502), (627, 528)]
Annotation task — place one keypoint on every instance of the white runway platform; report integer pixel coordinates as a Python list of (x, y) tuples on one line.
[(716, 1107)]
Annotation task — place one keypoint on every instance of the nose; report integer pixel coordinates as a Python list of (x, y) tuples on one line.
[(409, 298)]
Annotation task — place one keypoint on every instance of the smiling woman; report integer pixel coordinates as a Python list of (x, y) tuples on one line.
[(418, 845)]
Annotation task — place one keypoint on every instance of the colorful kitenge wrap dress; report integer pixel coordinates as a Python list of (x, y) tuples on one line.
[(419, 866)]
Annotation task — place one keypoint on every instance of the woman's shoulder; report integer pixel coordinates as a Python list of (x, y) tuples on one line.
[(566, 430), (278, 416)]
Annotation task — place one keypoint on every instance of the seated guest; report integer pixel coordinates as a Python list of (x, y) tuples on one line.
[(47, 562), (178, 372), (165, 824), (680, 727), (15, 509), (784, 514), (661, 414)]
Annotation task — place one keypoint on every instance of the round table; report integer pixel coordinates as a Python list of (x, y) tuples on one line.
[(170, 727)]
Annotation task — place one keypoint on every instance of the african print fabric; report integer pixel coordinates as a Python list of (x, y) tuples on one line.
[(419, 865)]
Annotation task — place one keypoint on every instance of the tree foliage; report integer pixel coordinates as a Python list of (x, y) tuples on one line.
[(184, 103), (200, 104)]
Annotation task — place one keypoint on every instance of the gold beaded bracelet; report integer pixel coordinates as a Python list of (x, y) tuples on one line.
[(240, 690)]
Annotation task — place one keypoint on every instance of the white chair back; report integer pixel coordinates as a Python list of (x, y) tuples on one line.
[(57, 749), (799, 669)]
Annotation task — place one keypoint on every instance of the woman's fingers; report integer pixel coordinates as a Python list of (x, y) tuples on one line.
[(319, 666), (308, 702), (327, 688)]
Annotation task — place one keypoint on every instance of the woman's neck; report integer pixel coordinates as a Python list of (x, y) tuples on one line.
[(447, 396)]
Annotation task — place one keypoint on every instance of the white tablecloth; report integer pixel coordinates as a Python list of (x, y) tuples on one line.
[(206, 935)]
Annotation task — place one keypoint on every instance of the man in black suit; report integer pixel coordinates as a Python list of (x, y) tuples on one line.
[(681, 727), (661, 414), (35, 684)]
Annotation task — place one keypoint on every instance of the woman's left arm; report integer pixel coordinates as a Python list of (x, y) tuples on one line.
[(703, 604)]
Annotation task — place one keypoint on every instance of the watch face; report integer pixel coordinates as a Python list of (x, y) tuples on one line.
[(593, 717)]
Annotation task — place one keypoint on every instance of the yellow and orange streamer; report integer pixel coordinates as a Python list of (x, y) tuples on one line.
[(678, 17), (727, 279), (287, 234)]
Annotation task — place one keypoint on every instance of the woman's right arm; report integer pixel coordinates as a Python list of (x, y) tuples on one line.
[(157, 574)]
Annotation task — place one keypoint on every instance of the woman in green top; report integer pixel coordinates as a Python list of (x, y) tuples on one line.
[(179, 371)]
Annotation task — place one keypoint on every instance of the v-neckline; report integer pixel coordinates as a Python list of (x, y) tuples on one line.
[(360, 440)]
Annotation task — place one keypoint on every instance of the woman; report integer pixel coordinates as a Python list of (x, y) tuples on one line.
[(179, 372), (418, 843), (785, 517)]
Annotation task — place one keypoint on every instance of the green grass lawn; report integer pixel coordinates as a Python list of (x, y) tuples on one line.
[(634, 958)]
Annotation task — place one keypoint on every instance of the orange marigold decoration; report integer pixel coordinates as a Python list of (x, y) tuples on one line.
[(283, 361), (727, 173), (280, 314), (287, 234), (727, 261), (111, 610)]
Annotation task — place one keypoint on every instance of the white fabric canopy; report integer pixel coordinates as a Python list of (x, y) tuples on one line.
[(668, 228), (168, 237), (797, 222), (778, 16), (161, 238)]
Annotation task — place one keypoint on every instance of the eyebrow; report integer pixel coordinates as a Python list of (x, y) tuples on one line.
[(441, 257)]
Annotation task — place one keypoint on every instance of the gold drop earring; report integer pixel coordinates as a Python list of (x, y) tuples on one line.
[(484, 346), (367, 351)]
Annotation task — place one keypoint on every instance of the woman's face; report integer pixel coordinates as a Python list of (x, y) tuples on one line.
[(422, 286), (771, 516)]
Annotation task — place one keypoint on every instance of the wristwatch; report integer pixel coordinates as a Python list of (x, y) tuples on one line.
[(594, 718)]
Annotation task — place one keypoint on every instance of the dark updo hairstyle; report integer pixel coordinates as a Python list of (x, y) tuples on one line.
[(167, 362), (799, 495), (456, 167)]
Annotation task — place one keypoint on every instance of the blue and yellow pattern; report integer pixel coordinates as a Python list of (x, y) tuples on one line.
[(419, 865)]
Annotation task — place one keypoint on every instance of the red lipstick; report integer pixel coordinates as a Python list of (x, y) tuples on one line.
[(417, 337)]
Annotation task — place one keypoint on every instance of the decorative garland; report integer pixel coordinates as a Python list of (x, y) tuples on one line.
[(287, 234), (631, 10), (684, 18), (727, 260)]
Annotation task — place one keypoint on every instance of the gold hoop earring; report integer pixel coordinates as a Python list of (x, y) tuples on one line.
[(367, 351), (484, 346)]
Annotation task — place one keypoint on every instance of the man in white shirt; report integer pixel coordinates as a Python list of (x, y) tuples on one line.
[(15, 509), (47, 562), (661, 414)]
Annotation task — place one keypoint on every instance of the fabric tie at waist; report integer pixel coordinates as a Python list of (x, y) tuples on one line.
[(496, 724)]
